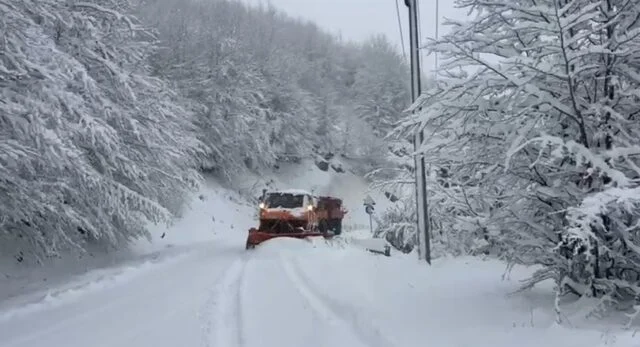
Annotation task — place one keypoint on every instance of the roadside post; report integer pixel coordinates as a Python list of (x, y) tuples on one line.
[(368, 208)]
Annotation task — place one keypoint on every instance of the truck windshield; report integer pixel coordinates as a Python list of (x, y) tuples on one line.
[(284, 200)]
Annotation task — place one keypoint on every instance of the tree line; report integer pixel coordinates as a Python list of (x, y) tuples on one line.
[(111, 110)]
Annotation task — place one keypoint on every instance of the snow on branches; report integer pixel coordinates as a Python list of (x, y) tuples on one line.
[(535, 120), (92, 147), (104, 121), (247, 68)]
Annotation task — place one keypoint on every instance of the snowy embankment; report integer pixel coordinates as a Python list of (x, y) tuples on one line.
[(215, 210), (197, 286)]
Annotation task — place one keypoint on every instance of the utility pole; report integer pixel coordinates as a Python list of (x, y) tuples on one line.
[(421, 178)]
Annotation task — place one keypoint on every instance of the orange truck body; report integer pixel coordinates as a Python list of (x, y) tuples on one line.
[(325, 219)]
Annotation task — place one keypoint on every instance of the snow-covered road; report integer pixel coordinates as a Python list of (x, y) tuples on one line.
[(291, 293), (171, 303), (199, 287), (212, 295)]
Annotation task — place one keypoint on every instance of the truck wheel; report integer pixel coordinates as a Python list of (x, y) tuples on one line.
[(336, 226), (323, 227)]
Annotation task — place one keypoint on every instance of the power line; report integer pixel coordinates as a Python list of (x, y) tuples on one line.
[(420, 51), (404, 53)]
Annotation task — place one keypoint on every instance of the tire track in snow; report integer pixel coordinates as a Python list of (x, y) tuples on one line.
[(239, 301), (368, 336), (221, 315)]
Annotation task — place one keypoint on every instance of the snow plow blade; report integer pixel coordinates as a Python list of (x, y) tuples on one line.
[(257, 237), (296, 214)]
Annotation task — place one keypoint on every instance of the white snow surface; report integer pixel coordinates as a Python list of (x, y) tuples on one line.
[(198, 286)]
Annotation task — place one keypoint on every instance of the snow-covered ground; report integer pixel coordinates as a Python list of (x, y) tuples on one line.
[(214, 210), (198, 286)]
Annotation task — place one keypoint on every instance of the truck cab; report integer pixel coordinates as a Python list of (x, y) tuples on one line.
[(296, 202), (297, 214)]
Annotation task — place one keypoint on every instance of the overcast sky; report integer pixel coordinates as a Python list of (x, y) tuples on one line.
[(359, 19)]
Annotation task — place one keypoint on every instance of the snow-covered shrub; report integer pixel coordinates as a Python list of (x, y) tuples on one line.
[(533, 128), (397, 225), (91, 146), (453, 230), (603, 238)]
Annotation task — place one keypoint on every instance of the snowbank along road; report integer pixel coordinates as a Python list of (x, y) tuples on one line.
[(208, 291)]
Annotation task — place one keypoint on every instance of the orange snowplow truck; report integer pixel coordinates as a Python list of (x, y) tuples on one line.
[(298, 214)]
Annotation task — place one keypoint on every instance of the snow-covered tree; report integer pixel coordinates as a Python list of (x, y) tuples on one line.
[(250, 68), (92, 146), (382, 85), (105, 121), (533, 130)]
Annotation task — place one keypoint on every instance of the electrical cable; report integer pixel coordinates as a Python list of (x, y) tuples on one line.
[(404, 53), (420, 51)]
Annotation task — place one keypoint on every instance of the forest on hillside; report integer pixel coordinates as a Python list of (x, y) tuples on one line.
[(110, 110)]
